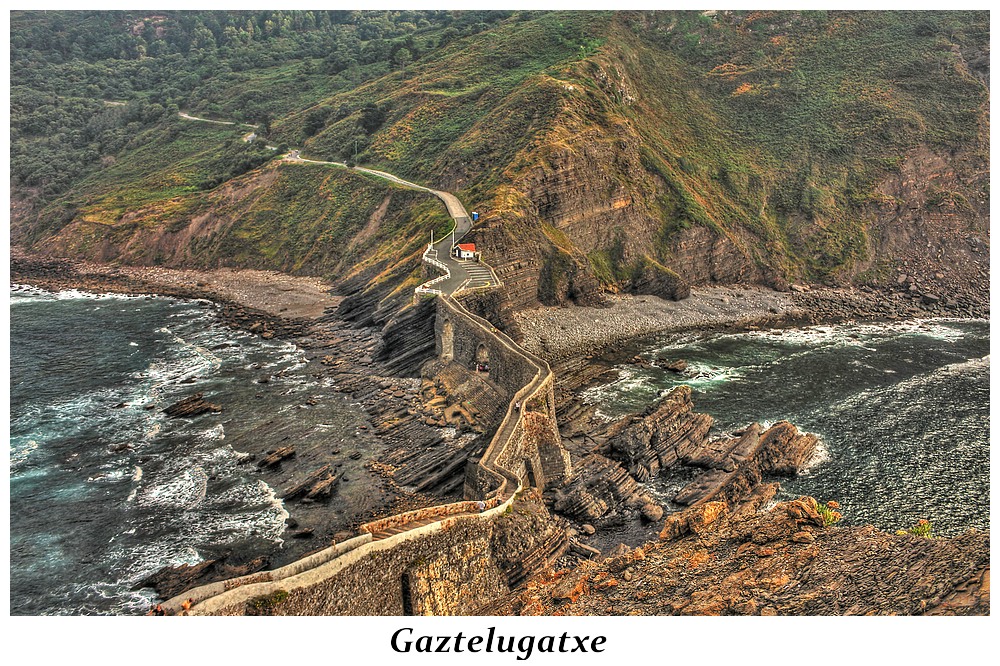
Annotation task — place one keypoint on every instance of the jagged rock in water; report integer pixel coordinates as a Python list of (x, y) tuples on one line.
[(737, 465), (661, 436), (678, 366), (669, 433), (316, 485), (275, 457), (171, 581), (194, 405)]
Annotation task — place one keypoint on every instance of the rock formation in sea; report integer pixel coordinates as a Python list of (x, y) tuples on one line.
[(668, 435)]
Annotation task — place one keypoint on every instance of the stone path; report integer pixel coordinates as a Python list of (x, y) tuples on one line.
[(399, 529), (463, 274)]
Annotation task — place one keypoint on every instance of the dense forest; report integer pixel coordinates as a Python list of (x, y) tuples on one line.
[(85, 85)]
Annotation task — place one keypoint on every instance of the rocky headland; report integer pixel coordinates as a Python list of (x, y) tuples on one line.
[(714, 546), (744, 558)]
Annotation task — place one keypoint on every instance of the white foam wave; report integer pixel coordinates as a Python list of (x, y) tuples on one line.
[(858, 334), (629, 379), (185, 490), (111, 476), (701, 373), (27, 294), (21, 451), (216, 433), (820, 455), (214, 361)]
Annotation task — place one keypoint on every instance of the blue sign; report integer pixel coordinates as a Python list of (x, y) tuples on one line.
[(475, 216)]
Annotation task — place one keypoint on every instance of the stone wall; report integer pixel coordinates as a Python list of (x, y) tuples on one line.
[(530, 456), (444, 568), (452, 565), (463, 339)]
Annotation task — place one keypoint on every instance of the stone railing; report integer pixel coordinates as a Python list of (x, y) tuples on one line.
[(439, 511), (511, 427), (304, 579)]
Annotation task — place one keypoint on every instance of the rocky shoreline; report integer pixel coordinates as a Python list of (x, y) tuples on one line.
[(727, 548), (562, 333), (390, 412), (401, 416), (747, 559)]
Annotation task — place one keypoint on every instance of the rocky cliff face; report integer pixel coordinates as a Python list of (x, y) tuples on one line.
[(720, 559)]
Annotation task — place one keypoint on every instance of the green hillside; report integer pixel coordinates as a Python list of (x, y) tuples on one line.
[(630, 150)]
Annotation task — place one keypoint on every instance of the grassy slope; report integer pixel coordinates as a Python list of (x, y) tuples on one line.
[(769, 129), (460, 111), (302, 220), (802, 114), (772, 129), (465, 110)]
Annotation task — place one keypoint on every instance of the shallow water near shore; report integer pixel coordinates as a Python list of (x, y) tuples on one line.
[(901, 409), (105, 491)]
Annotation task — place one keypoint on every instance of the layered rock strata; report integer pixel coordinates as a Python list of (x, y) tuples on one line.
[(671, 435), (717, 559)]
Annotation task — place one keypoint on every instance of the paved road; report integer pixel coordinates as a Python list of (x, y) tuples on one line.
[(464, 274), (186, 116)]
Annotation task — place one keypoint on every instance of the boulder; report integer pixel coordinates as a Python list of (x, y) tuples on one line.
[(678, 366), (651, 512)]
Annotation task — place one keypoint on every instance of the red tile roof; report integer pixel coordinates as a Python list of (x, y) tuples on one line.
[(468, 247)]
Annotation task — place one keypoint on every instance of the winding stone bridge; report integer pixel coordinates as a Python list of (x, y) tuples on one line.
[(440, 560)]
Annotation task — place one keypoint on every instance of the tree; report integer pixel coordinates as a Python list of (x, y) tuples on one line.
[(264, 124), (372, 118), (315, 121), (403, 57)]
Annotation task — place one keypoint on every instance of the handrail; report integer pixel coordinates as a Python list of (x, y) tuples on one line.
[(523, 396)]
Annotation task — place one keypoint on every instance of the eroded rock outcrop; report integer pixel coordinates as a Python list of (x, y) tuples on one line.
[(670, 434), (735, 466), (194, 405), (713, 560), (599, 486), (657, 439)]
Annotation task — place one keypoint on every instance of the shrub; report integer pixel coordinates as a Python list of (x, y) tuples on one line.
[(264, 604), (921, 529), (829, 512)]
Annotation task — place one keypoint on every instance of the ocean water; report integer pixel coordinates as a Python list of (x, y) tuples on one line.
[(104, 491), (901, 410)]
